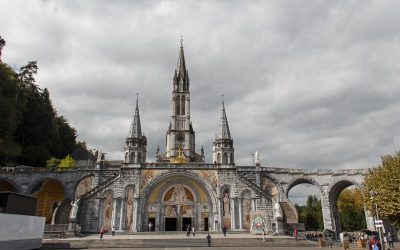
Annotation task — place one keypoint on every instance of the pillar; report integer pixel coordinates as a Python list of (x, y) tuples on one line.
[(233, 212), (159, 213), (121, 214), (327, 209), (240, 199)]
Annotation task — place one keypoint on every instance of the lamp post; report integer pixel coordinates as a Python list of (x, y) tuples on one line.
[(373, 194)]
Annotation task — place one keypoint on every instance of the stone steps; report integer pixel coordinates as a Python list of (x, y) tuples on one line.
[(182, 242)]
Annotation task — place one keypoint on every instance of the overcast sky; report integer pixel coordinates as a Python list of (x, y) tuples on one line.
[(309, 84)]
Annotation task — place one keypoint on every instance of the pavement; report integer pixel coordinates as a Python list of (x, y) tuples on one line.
[(149, 241)]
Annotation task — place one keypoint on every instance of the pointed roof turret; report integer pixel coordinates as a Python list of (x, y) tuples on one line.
[(224, 132), (136, 128), (181, 76)]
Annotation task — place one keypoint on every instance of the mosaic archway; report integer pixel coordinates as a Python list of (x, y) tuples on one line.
[(174, 201), (50, 195), (129, 194), (108, 207)]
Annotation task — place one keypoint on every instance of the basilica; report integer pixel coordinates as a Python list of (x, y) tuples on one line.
[(178, 190)]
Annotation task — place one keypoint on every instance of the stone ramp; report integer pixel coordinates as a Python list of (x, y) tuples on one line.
[(178, 243)]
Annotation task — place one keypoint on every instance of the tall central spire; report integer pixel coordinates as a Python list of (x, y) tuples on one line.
[(181, 67)]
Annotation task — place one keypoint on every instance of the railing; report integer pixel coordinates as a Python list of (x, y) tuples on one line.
[(99, 187), (32, 170), (255, 187), (155, 165)]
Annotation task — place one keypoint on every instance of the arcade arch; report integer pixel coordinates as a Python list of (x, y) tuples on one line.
[(52, 202), (176, 200), (358, 214)]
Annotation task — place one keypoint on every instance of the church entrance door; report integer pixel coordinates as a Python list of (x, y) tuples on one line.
[(170, 224), (185, 223)]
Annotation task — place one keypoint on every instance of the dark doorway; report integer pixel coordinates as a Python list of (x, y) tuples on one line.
[(185, 223), (205, 224), (153, 222), (170, 224)]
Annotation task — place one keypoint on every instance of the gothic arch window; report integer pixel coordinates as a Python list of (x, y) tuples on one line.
[(132, 158), (183, 105), (225, 158), (139, 158), (231, 160), (126, 157), (177, 105), (219, 158)]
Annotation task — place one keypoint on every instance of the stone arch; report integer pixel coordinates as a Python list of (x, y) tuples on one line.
[(50, 194), (169, 179), (132, 157), (7, 185), (225, 158), (334, 191), (301, 180), (177, 105), (79, 190), (183, 105)]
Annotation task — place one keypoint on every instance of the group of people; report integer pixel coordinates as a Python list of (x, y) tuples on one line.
[(103, 231), (375, 244)]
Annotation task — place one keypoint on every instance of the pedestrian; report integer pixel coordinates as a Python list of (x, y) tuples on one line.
[(188, 229), (264, 233), (374, 244), (224, 231), (113, 231), (101, 232), (296, 233), (194, 230), (208, 239), (390, 240), (150, 226)]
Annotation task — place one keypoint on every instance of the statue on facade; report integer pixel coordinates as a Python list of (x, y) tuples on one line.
[(99, 156), (257, 158), (278, 210), (74, 209)]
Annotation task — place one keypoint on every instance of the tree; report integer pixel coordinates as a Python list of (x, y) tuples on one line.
[(66, 163), (52, 162), (382, 188), (351, 210), (311, 213)]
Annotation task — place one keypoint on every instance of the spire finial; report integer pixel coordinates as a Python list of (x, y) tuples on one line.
[(181, 40), (223, 101)]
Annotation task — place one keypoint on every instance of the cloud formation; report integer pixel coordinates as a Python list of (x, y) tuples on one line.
[(309, 84)]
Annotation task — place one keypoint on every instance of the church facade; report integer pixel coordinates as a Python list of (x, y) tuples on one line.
[(180, 189)]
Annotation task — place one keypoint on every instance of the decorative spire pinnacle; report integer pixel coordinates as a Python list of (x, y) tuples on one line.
[(181, 67), (136, 128), (224, 132)]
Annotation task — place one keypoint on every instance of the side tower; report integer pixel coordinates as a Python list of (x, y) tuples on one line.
[(135, 149), (223, 151), (180, 139)]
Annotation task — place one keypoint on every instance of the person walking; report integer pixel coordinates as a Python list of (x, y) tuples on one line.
[(224, 231), (390, 240), (193, 230), (101, 232), (263, 234), (113, 231), (150, 226), (188, 229), (296, 233), (208, 239)]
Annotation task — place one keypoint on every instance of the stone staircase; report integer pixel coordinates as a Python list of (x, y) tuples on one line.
[(289, 212), (114, 176), (198, 241), (254, 186)]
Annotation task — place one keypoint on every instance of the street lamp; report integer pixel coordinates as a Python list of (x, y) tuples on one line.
[(372, 193)]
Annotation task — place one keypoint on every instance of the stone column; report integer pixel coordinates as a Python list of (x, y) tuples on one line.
[(253, 204), (157, 226), (198, 214), (121, 214), (220, 213), (326, 209), (114, 212), (136, 220), (240, 213), (233, 211)]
